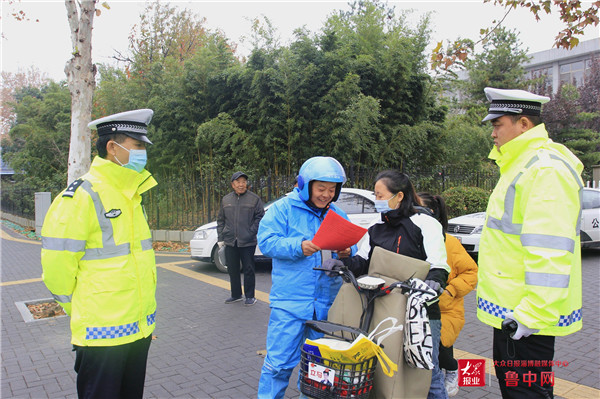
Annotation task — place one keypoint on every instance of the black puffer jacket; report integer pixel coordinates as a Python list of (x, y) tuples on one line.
[(406, 236), (238, 219)]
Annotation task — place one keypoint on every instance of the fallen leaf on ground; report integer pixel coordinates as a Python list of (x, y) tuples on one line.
[(43, 310)]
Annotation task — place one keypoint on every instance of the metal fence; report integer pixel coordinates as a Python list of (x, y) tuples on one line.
[(184, 204), (18, 201), (179, 204)]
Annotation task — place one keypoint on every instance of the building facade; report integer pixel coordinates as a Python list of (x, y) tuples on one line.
[(564, 66)]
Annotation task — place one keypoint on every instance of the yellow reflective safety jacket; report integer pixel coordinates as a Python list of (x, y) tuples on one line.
[(97, 256), (529, 254)]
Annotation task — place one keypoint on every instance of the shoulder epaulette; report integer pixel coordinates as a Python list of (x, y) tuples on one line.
[(70, 191)]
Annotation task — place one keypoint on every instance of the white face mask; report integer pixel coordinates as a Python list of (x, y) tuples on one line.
[(137, 159), (383, 206)]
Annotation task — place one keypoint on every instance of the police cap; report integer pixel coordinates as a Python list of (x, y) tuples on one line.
[(513, 102), (131, 123)]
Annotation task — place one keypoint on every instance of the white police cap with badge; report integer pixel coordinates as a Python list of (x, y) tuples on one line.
[(513, 102), (131, 123)]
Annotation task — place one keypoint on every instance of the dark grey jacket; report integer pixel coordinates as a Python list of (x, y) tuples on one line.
[(238, 219)]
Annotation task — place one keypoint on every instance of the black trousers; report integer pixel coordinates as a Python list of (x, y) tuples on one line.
[(522, 380), (446, 358), (233, 256), (111, 372)]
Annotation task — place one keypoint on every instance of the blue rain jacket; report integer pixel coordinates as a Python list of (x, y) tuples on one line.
[(297, 288)]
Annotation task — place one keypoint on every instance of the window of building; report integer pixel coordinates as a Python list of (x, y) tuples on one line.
[(542, 72), (574, 72)]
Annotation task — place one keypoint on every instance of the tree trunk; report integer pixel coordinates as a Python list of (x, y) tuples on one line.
[(80, 73)]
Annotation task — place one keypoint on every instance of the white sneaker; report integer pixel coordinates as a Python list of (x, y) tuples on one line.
[(451, 382)]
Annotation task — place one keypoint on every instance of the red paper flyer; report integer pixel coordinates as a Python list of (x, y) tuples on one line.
[(337, 233)]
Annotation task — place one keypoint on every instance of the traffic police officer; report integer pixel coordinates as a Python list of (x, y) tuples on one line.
[(99, 264), (529, 255)]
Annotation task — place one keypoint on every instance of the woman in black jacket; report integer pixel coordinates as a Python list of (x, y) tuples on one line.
[(408, 229)]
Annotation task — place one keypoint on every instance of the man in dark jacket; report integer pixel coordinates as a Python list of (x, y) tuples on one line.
[(237, 224)]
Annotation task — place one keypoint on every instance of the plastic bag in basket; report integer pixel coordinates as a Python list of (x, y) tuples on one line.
[(361, 349)]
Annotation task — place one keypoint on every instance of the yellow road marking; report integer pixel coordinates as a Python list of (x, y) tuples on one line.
[(31, 280), (260, 295), (5, 236)]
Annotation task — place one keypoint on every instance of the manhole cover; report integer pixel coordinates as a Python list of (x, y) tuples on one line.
[(40, 309)]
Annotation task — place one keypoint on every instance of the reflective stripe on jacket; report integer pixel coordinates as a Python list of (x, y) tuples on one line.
[(529, 256), (97, 256)]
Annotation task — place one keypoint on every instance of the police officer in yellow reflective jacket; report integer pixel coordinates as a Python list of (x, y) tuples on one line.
[(529, 254), (99, 264)]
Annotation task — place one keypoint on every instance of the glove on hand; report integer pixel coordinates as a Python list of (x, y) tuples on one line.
[(434, 285), (329, 264), (221, 244), (522, 329)]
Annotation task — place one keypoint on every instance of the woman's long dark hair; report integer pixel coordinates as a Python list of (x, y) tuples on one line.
[(396, 182), (438, 207)]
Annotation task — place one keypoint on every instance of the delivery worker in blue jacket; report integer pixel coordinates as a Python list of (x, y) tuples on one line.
[(298, 293)]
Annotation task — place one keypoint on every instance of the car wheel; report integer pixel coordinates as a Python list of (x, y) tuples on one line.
[(222, 268)]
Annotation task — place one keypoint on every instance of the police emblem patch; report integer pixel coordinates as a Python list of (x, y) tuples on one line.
[(113, 213)]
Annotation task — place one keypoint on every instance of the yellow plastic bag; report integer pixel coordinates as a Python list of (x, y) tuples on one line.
[(361, 349)]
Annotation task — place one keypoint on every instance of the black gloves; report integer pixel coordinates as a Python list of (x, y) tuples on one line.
[(436, 279), (329, 264), (434, 285)]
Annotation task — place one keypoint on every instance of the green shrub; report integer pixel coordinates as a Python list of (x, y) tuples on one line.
[(463, 200)]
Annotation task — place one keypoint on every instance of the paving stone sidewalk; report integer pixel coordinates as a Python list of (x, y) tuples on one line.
[(205, 349)]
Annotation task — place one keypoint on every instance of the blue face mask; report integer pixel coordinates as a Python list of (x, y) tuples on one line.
[(137, 159), (383, 206)]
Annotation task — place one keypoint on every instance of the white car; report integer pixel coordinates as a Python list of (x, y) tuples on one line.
[(357, 203), (467, 228), (590, 218)]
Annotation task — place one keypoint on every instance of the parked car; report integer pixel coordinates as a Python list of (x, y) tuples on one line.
[(590, 218), (357, 203), (467, 228)]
